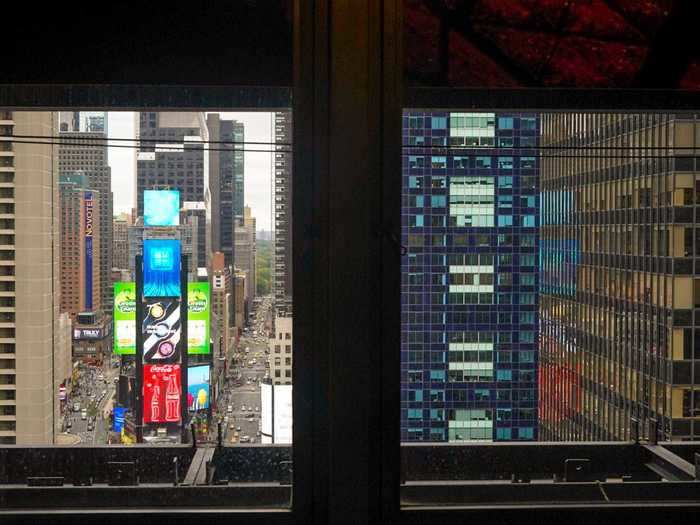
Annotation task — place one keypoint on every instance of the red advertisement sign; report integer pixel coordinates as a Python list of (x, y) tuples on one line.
[(161, 393)]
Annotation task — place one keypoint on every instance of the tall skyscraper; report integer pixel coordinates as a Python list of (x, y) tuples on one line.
[(81, 276), (469, 279), (171, 156), (282, 268), (226, 181), (120, 242), (84, 149), (244, 252), (619, 286), (222, 298), (239, 303), (29, 280)]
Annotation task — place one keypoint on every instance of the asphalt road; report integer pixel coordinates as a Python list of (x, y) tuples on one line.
[(88, 382), (248, 394)]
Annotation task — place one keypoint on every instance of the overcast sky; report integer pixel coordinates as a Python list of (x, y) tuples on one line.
[(258, 166)]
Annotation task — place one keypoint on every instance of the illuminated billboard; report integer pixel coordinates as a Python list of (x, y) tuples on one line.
[(161, 393), (161, 330), (118, 424), (198, 314), (124, 318), (198, 387), (161, 208), (88, 226), (161, 268)]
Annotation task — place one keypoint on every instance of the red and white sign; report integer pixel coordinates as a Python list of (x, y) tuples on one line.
[(162, 392)]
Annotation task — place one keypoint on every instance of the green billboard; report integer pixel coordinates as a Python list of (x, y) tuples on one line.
[(198, 313), (124, 318)]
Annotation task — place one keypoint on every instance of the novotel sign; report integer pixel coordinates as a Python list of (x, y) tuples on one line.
[(88, 226)]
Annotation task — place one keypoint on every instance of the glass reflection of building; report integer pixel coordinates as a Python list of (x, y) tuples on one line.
[(618, 289), (470, 213)]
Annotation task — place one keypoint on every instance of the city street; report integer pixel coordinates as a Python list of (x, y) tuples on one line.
[(242, 387), (88, 393)]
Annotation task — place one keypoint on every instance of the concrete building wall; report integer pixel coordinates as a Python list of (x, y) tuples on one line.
[(120, 243), (63, 363), (36, 276), (280, 357)]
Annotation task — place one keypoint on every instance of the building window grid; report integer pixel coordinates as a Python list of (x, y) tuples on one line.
[(638, 377), (420, 256)]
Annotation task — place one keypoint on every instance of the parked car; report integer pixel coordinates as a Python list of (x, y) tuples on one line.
[(76, 407)]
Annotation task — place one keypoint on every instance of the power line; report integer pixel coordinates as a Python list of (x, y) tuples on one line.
[(179, 149), (532, 151), (160, 141), (289, 144)]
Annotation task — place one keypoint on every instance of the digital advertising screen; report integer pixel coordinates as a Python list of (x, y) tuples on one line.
[(198, 317), (161, 393), (198, 387), (124, 318), (118, 424), (161, 207), (161, 330), (161, 268)]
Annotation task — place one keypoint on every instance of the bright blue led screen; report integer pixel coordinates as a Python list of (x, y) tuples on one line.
[(161, 268), (161, 207)]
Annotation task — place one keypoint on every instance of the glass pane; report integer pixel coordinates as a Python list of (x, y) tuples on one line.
[(561, 305), (145, 290)]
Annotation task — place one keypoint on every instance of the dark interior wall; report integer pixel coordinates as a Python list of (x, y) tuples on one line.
[(240, 42)]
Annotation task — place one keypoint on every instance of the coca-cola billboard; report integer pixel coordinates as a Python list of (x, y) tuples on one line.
[(162, 392)]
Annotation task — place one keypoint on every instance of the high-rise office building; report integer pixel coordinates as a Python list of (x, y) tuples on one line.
[(172, 156), (29, 280), (245, 251), (619, 287), (84, 148), (469, 278), (239, 303), (81, 275), (282, 267), (226, 181), (120, 242), (222, 299)]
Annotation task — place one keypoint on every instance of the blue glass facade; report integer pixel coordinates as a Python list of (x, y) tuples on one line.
[(469, 299)]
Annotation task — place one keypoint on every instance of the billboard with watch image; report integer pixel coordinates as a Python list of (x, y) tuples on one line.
[(161, 330)]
